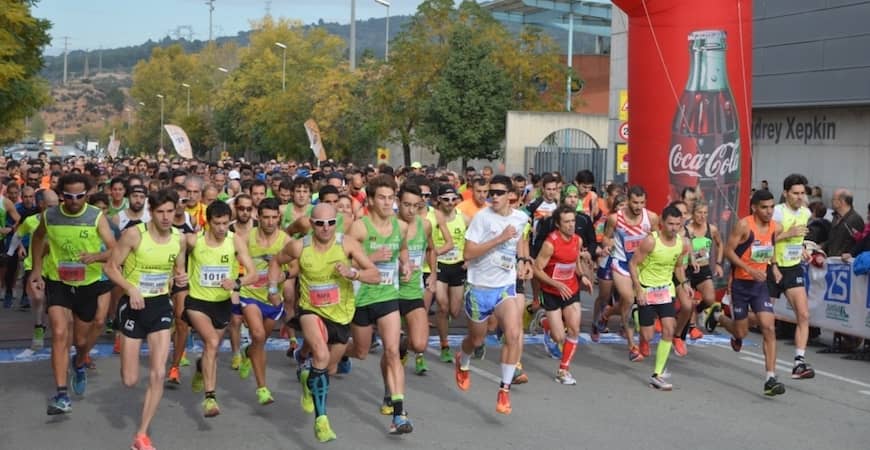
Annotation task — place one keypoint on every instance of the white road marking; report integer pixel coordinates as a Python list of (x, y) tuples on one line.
[(759, 358)]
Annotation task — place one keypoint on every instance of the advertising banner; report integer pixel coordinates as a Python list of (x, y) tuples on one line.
[(180, 141), (690, 78)]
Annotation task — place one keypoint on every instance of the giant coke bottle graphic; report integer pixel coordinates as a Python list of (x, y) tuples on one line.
[(705, 140)]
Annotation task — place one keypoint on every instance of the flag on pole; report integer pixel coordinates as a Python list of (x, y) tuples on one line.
[(114, 145), (314, 141), (180, 141)]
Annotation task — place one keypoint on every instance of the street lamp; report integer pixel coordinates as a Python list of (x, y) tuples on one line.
[(283, 67), (387, 43), (160, 96), (188, 96)]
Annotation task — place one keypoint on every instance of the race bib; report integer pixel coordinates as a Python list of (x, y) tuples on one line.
[(153, 283), (658, 295), (761, 253), (793, 252), (452, 255), (505, 261), (563, 271), (387, 271), (632, 243), (262, 279), (71, 271), (211, 276), (323, 295), (416, 259), (702, 257)]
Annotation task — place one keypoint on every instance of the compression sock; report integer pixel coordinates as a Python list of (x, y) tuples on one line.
[(318, 384), (663, 350), (568, 353)]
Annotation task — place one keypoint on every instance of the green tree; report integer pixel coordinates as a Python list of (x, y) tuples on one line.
[(22, 39), (464, 116)]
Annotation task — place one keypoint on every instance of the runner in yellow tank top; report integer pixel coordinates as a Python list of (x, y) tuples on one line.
[(451, 273), (148, 254), (322, 262), (658, 259), (259, 312), (212, 269)]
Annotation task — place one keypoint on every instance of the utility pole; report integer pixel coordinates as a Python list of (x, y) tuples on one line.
[(210, 4), (268, 8), (352, 35), (100, 64), (85, 71), (65, 54)]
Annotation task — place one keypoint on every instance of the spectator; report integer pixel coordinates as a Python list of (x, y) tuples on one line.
[(815, 195), (764, 185), (819, 228), (847, 223)]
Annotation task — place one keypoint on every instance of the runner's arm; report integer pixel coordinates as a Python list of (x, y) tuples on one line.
[(645, 248), (130, 238), (541, 262), (738, 234), (445, 232), (244, 258), (367, 272)]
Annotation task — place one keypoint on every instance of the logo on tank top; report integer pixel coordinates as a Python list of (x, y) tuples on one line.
[(225, 258)]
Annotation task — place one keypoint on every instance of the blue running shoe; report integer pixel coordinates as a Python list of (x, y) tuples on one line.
[(79, 378), (401, 425), (59, 404), (344, 366), (552, 347)]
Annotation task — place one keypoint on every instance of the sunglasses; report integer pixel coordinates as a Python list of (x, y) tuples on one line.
[(427, 194), (448, 199), (324, 222), (497, 192), (244, 209), (69, 196)]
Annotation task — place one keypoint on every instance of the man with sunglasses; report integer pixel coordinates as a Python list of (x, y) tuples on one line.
[(451, 272), (497, 252), (242, 226), (78, 239), (384, 240)]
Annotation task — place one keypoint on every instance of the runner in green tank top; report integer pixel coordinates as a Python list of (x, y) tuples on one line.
[(78, 239), (383, 238), (705, 237), (212, 269), (322, 262), (300, 205), (259, 312), (148, 256), (653, 267)]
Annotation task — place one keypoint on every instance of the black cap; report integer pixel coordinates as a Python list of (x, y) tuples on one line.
[(445, 189)]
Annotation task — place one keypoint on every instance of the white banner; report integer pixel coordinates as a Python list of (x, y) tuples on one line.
[(114, 145), (838, 299), (314, 141), (180, 141)]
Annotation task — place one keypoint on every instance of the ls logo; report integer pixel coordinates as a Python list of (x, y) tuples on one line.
[(838, 281)]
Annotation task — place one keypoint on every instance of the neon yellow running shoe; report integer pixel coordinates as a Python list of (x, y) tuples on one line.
[(197, 383), (386, 408), (322, 430), (264, 396), (420, 367), (245, 365), (307, 400), (184, 362), (210, 407), (237, 361)]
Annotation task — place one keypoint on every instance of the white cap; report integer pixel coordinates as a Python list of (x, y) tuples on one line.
[(234, 175)]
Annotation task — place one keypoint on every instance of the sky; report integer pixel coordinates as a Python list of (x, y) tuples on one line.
[(92, 24)]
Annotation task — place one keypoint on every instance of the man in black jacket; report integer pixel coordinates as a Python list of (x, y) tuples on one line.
[(846, 225)]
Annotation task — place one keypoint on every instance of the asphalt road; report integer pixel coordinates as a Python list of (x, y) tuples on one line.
[(716, 404)]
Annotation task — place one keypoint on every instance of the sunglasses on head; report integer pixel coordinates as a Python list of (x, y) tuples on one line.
[(324, 222), (69, 196), (497, 192)]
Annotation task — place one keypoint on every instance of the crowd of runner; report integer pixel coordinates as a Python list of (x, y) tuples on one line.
[(351, 257)]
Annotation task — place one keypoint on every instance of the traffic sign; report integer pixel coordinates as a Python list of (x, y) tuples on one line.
[(623, 131)]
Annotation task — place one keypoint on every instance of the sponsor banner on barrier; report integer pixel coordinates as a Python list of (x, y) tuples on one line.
[(838, 299)]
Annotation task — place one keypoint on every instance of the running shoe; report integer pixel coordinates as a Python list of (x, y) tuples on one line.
[(245, 366), (59, 404), (116, 346), (79, 377), (210, 407), (657, 382), (503, 402), (264, 396), (736, 344), (7, 301), (344, 366), (24, 304), (322, 431), (552, 347), (420, 367), (174, 377), (479, 352), (773, 387), (446, 355), (463, 377), (89, 363), (802, 371), (680, 347), (596, 334), (184, 362), (712, 313), (644, 347), (307, 400), (695, 333), (387, 407), (142, 442), (401, 425), (376, 344), (520, 376), (237, 361), (565, 377), (294, 344), (634, 355), (197, 384), (38, 338), (658, 325)]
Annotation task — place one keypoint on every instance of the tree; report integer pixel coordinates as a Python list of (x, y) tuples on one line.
[(464, 116), (22, 39)]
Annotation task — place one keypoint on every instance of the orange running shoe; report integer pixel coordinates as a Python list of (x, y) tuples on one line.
[(142, 442), (695, 333), (503, 402), (644, 348), (174, 376), (680, 347), (658, 326), (463, 377)]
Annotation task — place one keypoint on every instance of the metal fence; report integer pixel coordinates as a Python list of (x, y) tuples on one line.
[(568, 151)]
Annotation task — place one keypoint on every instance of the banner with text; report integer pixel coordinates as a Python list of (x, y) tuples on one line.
[(180, 141), (838, 299)]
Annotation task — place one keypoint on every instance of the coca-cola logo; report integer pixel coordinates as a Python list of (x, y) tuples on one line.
[(722, 160)]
